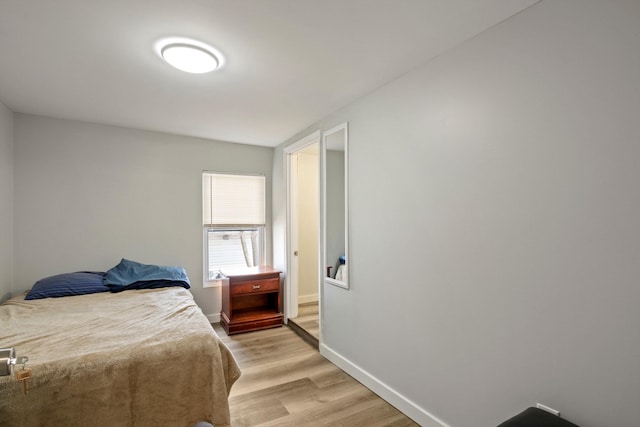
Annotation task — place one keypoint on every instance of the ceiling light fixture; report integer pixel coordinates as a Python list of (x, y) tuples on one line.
[(189, 55)]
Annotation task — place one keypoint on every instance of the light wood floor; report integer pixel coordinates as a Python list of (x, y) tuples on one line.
[(286, 382), (308, 319)]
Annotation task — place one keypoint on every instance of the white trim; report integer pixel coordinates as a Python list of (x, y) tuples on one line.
[(345, 128), (299, 145), (215, 283), (337, 129), (400, 402), (338, 283), (322, 238), (291, 292), (206, 227), (304, 299), (213, 318), (291, 278)]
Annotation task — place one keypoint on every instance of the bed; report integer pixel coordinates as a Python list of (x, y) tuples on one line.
[(145, 357)]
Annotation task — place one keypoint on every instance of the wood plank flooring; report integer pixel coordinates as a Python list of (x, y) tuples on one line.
[(286, 382), (307, 324), (308, 318)]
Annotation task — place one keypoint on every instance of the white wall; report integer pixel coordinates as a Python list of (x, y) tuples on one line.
[(495, 245), (6, 204), (308, 224), (87, 195)]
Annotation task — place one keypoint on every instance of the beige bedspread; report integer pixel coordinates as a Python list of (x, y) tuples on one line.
[(135, 358)]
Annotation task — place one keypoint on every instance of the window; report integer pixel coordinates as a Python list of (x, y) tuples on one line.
[(233, 218)]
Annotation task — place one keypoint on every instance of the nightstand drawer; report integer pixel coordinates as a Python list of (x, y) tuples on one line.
[(255, 286)]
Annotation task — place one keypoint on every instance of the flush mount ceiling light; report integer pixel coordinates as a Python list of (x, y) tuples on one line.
[(189, 55)]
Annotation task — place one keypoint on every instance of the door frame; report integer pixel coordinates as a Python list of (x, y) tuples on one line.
[(291, 238)]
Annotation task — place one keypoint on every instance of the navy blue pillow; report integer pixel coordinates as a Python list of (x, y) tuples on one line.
[(68, 284), (134, 275), (150, 284)]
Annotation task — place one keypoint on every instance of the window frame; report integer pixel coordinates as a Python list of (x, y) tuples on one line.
[(261, 247), (262, 228)]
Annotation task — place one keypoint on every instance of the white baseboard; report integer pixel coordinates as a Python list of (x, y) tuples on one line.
[(304, 299), (213, 318), (404, 405)]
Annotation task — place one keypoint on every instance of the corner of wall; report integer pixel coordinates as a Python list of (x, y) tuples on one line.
[(7, 160)]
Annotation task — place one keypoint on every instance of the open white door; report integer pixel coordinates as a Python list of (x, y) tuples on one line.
[(293, 221), (291, 287)]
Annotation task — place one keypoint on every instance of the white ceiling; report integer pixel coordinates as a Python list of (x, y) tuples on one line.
[(288, 62)]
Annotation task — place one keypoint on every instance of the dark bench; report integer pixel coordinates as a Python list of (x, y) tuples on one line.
[(534, 417)]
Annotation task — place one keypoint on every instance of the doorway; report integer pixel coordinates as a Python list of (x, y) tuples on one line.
[(302, 296)]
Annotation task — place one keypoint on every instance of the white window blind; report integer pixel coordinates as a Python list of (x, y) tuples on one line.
[(233, 200)]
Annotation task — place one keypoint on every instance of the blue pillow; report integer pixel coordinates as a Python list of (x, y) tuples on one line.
[(150, 284), (68, 284), (127, 273)]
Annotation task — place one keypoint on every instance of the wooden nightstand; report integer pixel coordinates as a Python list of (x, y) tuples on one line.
[(251, 300)]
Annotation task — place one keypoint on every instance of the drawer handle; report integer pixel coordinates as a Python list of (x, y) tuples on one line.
[(255, 287)]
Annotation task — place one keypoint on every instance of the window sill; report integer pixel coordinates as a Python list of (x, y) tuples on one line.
[(212, 284)]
